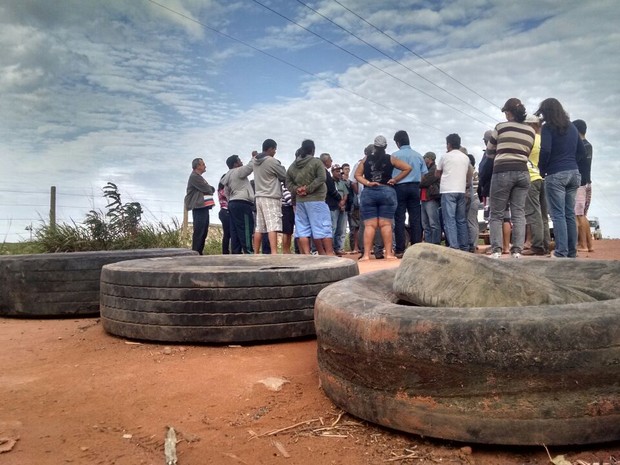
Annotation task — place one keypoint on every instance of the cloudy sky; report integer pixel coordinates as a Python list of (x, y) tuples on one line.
[(131, 91)]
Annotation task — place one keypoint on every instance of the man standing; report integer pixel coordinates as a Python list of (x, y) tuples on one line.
[(305, 179), (452, 170), (584, 193), (536, 216), (240, 195), (408, 193), (332, 198), (352, 208), (341, 218), (268, 173), (199, 199), (430, 201)]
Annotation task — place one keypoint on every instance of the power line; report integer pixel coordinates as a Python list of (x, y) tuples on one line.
[(281, 60), (416, 54), (367, 62), (395, 60)]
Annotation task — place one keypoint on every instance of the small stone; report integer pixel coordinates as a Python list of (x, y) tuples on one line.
[(127, 436), (466, 450), (167, 351), (83, 448), (273, 384)]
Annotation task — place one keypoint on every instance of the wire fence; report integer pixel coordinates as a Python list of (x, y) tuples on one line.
[(23, 211)]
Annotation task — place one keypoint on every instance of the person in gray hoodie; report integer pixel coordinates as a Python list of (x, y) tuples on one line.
[(240, 195), (305, 178), (268, 172), (199, 200)]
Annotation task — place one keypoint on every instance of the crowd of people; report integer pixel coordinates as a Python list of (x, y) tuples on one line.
[(534, 166)]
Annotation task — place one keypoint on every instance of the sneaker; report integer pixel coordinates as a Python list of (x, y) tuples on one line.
[(532, 252), (496, 255), (515, 255)]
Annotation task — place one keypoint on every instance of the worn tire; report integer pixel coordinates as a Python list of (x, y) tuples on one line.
[(217, 298), (61, 284), (527, 375)]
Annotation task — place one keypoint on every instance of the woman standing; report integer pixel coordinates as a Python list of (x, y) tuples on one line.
[(378, 199), (561, 150), (509, 147)]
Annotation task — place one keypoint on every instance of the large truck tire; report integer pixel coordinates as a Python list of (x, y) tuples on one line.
[(217, 298), (61, 284), (528, 375)]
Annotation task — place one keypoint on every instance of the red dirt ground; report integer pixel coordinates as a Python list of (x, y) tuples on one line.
[(70, 393)]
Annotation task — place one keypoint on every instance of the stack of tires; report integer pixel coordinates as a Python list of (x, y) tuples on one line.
[(61, 284)]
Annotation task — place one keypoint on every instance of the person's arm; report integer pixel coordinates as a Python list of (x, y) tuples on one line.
[(429, 178), (200, 184), (423, 168), (545, 150), (291, 185), (279, 170), (492, 144), (318, 179), (246, 170), (581, 153), (359, 175), (404, 168)]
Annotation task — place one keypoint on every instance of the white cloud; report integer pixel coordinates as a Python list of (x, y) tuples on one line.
[(93, 92)]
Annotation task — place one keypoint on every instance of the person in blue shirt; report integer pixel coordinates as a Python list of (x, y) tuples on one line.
[(407, 194)]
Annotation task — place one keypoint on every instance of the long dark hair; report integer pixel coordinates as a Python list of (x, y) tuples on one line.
[(379, 152), (553, 114)]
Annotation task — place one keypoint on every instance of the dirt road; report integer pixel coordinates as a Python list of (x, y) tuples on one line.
[(70, 393)]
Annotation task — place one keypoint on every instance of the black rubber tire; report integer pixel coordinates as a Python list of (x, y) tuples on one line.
[(217, 298), (61, 284), (527, 376)]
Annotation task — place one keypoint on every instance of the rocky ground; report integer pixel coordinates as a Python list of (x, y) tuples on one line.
[(70, 393)]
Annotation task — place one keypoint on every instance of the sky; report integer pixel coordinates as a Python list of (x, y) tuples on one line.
[(126, 92)]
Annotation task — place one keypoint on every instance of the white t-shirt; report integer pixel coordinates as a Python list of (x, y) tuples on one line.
[(454, 166)]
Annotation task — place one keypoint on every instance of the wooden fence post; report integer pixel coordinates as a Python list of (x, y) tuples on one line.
[(53, 207)]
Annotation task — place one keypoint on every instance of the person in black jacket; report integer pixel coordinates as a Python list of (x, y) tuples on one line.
[(430, 200), (333, 198)]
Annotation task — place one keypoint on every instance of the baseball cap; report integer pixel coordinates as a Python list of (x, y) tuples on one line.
[(336, 167), (380, 141), (532, 119)]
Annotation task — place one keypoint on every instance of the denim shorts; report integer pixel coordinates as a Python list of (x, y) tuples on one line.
[(313, 219), (378, 202)]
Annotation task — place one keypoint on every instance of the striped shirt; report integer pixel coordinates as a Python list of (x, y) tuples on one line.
[(510, 146)]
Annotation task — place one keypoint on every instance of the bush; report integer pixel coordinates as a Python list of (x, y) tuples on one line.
[(118, 228)]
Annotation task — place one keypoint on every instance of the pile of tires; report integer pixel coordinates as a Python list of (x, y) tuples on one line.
[(498, 375), (217, 298), (61, 284)]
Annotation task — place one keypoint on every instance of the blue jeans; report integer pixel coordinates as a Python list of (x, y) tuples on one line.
[(537, 217), (408, 198), (339, 224), (561, 189), (508, 189), (454, 210), (200, 217), (431, 222)]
